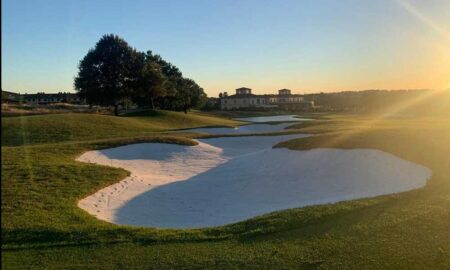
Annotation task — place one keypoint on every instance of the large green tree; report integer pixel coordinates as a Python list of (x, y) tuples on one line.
[(151, 83), (181, 93), (190, 94), (109, 73), (113, 73), (170, 72)]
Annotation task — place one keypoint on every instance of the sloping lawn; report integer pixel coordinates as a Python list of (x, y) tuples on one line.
[(52, 128)]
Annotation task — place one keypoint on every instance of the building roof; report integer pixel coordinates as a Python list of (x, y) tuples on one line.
[(244, 96), (243, 88), (41, 94), (10, 93), (262, 96), (278, 95)]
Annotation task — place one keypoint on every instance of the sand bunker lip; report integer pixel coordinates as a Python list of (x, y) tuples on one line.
[(230, 179)]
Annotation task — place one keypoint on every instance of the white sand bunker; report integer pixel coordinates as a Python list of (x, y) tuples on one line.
[(274, 118), (235, 178), (261, 126), (254, 128)]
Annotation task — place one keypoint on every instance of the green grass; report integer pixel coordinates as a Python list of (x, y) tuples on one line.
[(52, 128), (43, 228)]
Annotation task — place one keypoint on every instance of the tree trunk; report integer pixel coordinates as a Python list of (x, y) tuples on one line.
[(152, 103), (116, 110)]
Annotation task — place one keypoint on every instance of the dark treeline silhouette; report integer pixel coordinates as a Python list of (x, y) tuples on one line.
[(411, 101), (114, 74)]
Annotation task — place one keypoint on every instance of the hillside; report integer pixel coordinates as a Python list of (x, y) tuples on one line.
[(53, 128)]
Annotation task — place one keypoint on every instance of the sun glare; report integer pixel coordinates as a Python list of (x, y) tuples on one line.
[(370, 124), (411, 9)]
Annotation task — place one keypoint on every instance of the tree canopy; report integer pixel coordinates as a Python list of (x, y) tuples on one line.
[(151, 83), (113, 72)]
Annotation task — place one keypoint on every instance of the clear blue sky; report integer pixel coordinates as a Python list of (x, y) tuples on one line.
[(305, 45)]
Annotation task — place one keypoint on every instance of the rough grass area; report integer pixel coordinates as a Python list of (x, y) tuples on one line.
[(42, 228), (12, 110), (52, 128)]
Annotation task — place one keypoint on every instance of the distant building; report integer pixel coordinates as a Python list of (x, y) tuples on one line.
[(243, 91), (10, 97), (284, 92), (245, 99), (287, 101), (46, 98)]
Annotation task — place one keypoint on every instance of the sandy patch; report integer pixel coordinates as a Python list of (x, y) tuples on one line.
[(225, 180)]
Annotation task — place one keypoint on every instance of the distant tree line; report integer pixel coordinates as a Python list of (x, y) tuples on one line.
[(414, 101), (114, 74)]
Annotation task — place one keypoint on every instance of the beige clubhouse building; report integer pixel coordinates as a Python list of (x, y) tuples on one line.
[(245, 99)]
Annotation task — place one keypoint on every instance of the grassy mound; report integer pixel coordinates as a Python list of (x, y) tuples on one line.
[(53, 128), (178, 120)]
